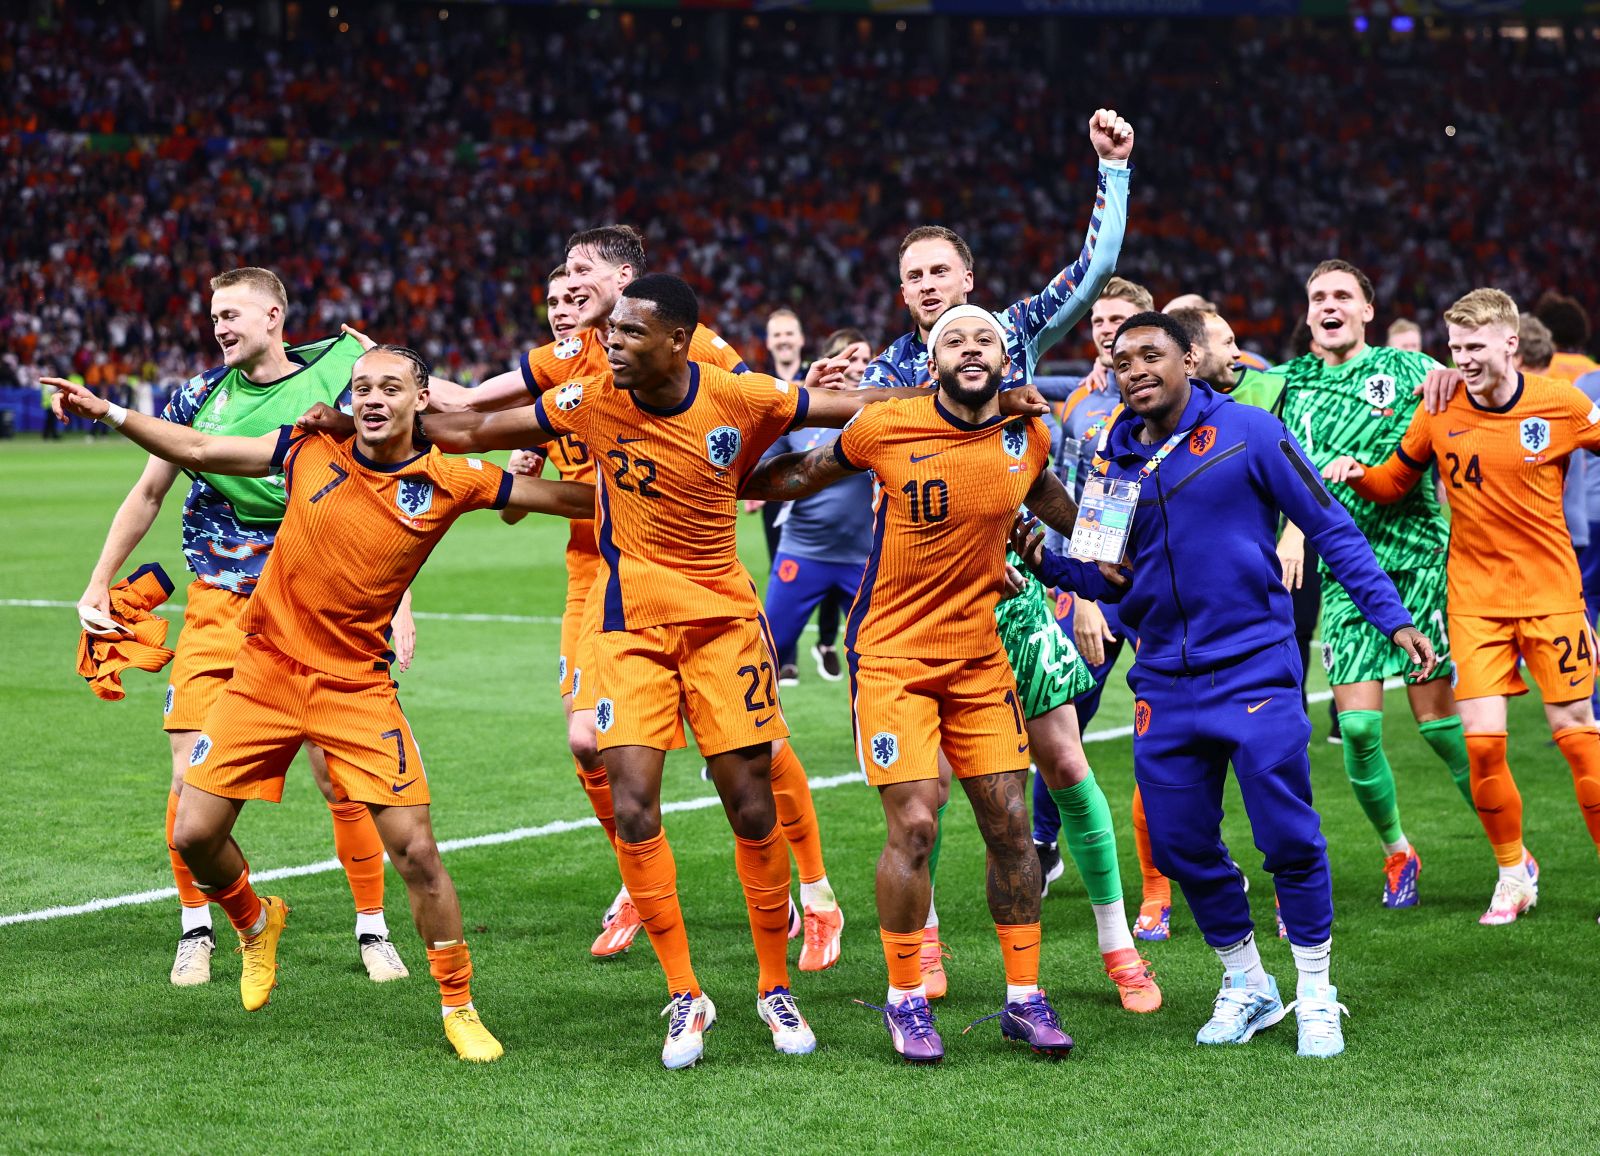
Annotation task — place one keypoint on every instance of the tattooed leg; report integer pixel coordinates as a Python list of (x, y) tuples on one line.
[(1000, 803)]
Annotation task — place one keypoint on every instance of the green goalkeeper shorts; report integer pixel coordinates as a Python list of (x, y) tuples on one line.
[(1352, 648), (1048, 668)]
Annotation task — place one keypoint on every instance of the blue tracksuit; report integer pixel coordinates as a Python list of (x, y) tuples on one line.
[(1217, 677)]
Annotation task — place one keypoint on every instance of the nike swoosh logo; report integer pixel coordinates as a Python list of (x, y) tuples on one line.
[(1025, 946), (1455, 433), (1576, 681), (915, 458), (1258, 706), (365, 858), (761, 722), (1022, 748), (398, 787), (907, 954), (626, 441)]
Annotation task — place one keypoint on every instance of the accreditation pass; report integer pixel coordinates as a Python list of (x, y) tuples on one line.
[(1105, 515)]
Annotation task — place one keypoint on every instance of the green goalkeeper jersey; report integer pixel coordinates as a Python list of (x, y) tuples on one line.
[(1362, 408)]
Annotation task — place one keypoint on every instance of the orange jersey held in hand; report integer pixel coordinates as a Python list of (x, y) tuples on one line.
[(947, 494), (668, 479), (353, 538), (1510, 553)]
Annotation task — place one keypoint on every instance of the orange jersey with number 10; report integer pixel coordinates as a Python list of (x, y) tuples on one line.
[(666, 510), (1510, 552), (947, 494)]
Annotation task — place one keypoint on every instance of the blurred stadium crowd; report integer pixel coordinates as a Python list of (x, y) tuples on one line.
[(425, 184)]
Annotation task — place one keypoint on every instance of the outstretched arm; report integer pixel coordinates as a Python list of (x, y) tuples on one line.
[(1049, 501), (562, 499), (467, 433), (444, 396), (178, 444), (833, 409), (785, 477)]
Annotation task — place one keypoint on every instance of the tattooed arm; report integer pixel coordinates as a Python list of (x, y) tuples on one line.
[(789, 476), (1049, 501)]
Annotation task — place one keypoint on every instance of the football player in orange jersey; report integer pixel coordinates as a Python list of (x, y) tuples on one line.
[(1515, 591), (928, 670), (363, 515), (680, 629), (601, 262)]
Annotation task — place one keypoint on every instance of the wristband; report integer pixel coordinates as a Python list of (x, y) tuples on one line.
[(114, 416)]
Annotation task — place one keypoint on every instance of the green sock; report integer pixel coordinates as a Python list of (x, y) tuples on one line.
[(1369, 770), (938, 841), (1086, 823), (1449, 742)]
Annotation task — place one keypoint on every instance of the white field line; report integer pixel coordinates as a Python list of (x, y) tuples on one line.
[(516, 835)]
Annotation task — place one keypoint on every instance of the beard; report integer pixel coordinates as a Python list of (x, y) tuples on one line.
[(950, 385)]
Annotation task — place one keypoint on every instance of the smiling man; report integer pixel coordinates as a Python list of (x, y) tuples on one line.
[(1353, 398), (363, 514), (1502, 446), (1203, 480)]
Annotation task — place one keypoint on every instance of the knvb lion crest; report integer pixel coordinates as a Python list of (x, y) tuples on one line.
[(568, 348), (1379, 391), (1534, 433), (722, 446), (604, 715), (1202, 440), (414, 496), (202, 748), (885, 749), (1014, 439), (1141, 717)]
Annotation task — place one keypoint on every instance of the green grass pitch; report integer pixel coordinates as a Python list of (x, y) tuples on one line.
[(1461, 1037)]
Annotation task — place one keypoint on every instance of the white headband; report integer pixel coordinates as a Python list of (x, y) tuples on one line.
[(956, 313)]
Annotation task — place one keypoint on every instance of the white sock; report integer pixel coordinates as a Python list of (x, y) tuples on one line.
[(818, 895), (1243, 956), (1400, 844), (446, 1009), (1518, 872), (259, 925), (195, 918), (900, 994), (1111, 925), (1017, 992), (933, 914), (372, 924), (1312, 963)]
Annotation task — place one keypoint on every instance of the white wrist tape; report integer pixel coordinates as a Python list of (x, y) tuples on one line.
[(114, 416)]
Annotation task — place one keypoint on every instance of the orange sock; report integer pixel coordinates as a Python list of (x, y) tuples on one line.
[(1580, 746), (763, 867), (188, 894), (240, 901), (651, 876), (597, 785), (797, 813), (1019, 945), (356, 842), (902, 951), (452, 967), (1156, 885), (1495, 795)]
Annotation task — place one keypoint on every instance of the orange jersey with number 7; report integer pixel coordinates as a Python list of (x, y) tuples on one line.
[(1504, 468)]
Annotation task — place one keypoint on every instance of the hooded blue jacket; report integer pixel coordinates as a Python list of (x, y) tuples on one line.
[(1206, 588)]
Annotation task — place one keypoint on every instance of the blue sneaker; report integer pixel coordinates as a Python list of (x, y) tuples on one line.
[(1400, 872), (1318, 1010), (910, 1026), (1240, 1011)]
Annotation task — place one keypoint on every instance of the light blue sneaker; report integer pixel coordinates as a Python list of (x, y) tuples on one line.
[(1241, 1011), (1318, 1010)]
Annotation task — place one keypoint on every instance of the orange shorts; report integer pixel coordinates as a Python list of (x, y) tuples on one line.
[(1558, 648), (583, 670), (582, 567), (720, 674), (273, 705), (207, 647), (906, 710)]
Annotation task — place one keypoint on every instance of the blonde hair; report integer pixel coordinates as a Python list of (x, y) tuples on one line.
[(263, 281), (1403, 325), (1483, 307), (1121, 289)]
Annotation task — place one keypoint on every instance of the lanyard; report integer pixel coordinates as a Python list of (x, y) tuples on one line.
[(1161, 454)]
